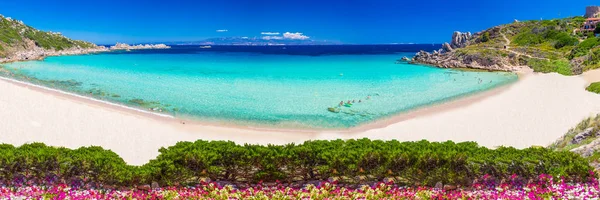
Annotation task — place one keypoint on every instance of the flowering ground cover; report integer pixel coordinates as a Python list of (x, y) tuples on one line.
[(544, 187)]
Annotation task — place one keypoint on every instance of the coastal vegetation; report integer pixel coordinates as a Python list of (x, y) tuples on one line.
[(569, 140), (544, 45), (594, 87), (315, 169), (15, 36), (583, 139), (349, 162), (546, 66)]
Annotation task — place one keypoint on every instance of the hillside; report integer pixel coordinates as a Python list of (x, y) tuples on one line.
[(544, 45), (19, 41)]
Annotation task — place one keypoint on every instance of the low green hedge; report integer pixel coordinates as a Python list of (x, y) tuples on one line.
[(351, 161)]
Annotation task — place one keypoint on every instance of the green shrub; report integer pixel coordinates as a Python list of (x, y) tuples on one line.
[(38, 162), (549, 22), (556, 32), (563, 39), (592, 59), (547, 66), (584, 47), (594, 87), (351, 161), (485, 37), (578, 19), (526, 38)]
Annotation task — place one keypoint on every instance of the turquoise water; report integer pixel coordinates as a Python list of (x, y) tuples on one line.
[(287, 91)]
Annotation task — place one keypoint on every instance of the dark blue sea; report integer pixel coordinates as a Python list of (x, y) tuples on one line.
[(307, 50)]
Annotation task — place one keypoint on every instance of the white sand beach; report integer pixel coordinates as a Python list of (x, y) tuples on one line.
[(535, 110)]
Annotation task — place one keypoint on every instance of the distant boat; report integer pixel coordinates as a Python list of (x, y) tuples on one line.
[(205, 47)]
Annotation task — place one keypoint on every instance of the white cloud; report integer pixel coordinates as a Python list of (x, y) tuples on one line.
[(272, 38), (286, 35), (295, 36), (222, 30), (269, 33)]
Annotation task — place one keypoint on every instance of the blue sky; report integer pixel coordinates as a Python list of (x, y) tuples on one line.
[(348, 21)]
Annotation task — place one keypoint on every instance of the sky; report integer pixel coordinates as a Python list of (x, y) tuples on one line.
[(347, 21)]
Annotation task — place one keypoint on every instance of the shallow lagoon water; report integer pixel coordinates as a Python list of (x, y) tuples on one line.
[(247, 88)]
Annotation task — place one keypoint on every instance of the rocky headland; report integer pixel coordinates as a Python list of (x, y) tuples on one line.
[(19, 42), (39, 53), (123, 46), (449, 56), (544, 45)]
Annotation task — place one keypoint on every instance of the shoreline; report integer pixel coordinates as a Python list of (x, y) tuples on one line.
[(437, 107), (444, 106), (530, 111), (77, 97)]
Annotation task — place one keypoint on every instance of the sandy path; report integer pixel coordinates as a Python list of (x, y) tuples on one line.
[(534, 111)]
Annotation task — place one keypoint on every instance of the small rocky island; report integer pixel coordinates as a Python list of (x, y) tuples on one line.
[(568, 46), (123, 46)]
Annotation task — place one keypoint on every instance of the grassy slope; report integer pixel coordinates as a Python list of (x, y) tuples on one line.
[(14, 36), (544, 45), (563, 144)]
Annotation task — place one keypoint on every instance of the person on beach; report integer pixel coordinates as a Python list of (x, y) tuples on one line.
[(341, 103), (359, 101), (353, 101), (349, 102), (368, 97)]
